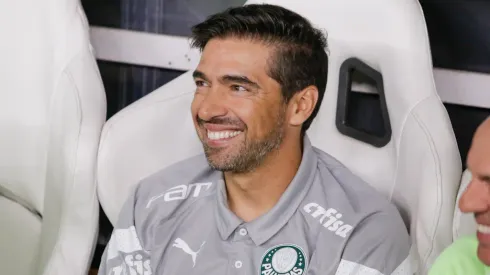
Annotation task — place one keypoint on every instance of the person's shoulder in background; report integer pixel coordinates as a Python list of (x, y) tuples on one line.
[(460, 258)]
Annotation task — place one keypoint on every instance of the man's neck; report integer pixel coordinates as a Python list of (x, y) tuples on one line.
[(252, 194)]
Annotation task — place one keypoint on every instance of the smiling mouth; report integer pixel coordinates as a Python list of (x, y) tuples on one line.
[(485, 229), (222, 135)]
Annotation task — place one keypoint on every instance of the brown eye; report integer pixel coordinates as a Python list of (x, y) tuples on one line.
[(238, 88), (200, 83)]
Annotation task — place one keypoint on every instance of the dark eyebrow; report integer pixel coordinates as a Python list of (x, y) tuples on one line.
[(485, 178), (199, 74), (239, 79)]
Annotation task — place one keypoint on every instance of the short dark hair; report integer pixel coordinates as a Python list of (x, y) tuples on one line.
[(299, 60)]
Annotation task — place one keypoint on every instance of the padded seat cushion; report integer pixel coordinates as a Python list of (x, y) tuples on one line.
[(19, 240)]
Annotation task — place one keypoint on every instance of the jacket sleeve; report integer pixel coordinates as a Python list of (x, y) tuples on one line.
[(380, 245), (125, 254)]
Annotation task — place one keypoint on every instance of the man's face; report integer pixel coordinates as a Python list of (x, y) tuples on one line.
[(476, 198), (238, 110)]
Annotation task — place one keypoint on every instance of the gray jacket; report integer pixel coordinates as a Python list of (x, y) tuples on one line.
[(327, 222)]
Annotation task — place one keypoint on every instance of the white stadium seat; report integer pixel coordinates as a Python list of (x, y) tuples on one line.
[(416, 164), (52, 109)]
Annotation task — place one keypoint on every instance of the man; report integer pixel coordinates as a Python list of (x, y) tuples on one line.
[(471, 255), (261, 200)]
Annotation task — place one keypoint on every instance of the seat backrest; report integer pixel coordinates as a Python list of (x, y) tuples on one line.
[(418, 166), (52, 110), (416, 163), (464, 223)]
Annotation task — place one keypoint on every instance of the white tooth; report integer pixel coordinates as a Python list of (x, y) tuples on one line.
[(484, 229), (222, 134)]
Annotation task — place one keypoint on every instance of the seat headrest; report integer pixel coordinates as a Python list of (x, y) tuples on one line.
[(52, 108), (39, 39)]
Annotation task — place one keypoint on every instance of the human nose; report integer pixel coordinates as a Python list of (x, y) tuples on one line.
[(476, 197), (213, 104)]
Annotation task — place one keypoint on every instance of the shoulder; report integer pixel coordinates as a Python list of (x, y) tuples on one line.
[(170, 192), (378, 244), (459, 258), (183, 182), (354, 188), (358, 201), (462, 246), (167, 193), (377, 237)]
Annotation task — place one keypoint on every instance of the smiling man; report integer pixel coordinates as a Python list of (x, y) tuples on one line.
[(471, 255), (262, 199)]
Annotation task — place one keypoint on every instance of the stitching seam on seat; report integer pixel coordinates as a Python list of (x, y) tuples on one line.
[(435, 158)]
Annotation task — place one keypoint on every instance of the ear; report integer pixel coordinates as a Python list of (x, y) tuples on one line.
[(302, 105)]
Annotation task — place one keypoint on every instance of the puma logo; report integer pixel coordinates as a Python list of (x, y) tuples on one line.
[(179, 243)]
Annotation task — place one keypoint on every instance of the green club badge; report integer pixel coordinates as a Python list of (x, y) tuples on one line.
[(285, 259)]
